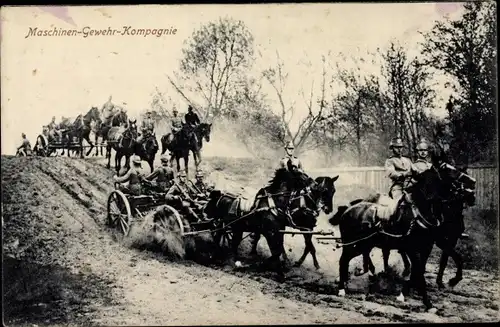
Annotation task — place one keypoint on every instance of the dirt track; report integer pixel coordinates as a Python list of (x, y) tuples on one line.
[(62, 265)]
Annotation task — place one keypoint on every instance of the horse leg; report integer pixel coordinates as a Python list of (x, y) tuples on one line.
[(448, 249), (235, 244), (367, 264), (345, 258), (309, 247), (186, 163), (406, 262), (276, 247), (108, 155), (87, 138), (255, 242), (386, 252), (150, 163)]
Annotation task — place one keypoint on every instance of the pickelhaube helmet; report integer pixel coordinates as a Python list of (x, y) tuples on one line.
[(289, 145), (23, 135), (396, 142), (199, 173), (190, 107)]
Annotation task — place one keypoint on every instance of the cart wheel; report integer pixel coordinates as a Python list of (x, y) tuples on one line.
[(119, 214), (168, 221), (223, 237)]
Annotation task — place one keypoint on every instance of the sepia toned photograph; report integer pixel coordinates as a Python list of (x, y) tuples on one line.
[(249, 164)]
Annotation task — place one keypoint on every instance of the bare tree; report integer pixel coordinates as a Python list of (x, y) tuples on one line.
[(212, 58), (277, 77)]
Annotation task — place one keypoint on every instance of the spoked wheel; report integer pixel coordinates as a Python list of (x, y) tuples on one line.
[(167, 221), (119, 214), (223, 236), (41, 147)]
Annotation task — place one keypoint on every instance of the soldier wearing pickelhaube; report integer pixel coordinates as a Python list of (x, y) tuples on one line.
[(290, 160), (398, 168), (423, 162), (200, 186), (179, 195)]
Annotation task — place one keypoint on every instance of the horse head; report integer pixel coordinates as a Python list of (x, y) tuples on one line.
[(130, 132), (204, 130), (324, 189), (119, 119)]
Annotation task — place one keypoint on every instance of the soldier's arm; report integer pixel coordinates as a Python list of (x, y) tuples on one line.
[(197, 119), (391, 170), (153, 175), (124, 178), (300, 166), (172, 193)]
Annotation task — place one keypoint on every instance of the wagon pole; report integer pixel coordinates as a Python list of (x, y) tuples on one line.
[(305, 232)]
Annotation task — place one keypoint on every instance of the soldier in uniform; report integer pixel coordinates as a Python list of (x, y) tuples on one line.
[(179, 196), (176, 123), (192, 120), (422, 163), (147, 128), (398, 168), (54, 129), (290, 160), (164, 175), (202, 189), (25, 147), (133, 177)]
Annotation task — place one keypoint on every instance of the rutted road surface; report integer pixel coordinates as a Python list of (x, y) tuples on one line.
[(63, 265)]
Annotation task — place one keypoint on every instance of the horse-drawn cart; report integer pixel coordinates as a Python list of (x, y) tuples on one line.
[(125, 210), (45, 147)]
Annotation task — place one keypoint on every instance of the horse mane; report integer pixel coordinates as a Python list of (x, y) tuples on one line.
[(284, 175), (280, 175)]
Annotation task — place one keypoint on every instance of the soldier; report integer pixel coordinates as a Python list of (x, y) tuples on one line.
[(398, 168), (25, 148), (147, 128), (164, 175), (179, 196), (133, 177), (290, 160), (191, 118), (422, 163), (202, 189), (176, 123)]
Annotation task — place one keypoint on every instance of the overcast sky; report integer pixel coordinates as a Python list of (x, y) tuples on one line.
[(65, 76)]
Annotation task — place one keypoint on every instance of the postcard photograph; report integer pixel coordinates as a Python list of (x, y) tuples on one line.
[(249, 164)]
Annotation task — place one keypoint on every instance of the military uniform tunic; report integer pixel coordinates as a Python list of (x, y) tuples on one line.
[(133, 177), (192, 119), (397, 168), (164, 176), (294, 161), (421, 165), (176, 124)]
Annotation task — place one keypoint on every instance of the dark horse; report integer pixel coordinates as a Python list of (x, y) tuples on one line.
[(448, 234), (413, 231), (102, 128), (81, 130), (147, 150), (123, 141), (276, 206), (309, 245), (185, 141)]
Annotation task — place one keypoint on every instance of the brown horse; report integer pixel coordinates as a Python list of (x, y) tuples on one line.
[(413, 229), (123, 141), (81, 129), (102, 128), (188, 139)]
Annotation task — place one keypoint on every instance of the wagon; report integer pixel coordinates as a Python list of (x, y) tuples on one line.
[(44, 147), (124, 210)]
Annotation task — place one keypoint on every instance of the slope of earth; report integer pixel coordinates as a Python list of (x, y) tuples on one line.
[(62, 265)]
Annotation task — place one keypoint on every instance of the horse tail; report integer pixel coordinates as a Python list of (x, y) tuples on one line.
[(335, 220), (163, 144)]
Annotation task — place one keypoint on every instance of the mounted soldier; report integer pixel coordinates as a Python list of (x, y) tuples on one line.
[(164, 175), (179, 196), (147, 129), (398, 168), (133, 177), (54, 130), (176, 124), (423, 161), (192, 121), (290, 161), (25, 147)]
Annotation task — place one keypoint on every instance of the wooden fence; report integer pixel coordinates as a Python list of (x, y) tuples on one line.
[(375, 178)]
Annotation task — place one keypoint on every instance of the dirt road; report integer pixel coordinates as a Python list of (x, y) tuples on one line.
[(62, 265)]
